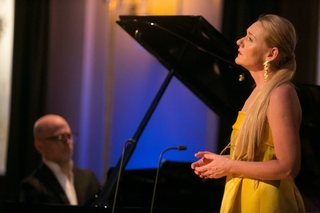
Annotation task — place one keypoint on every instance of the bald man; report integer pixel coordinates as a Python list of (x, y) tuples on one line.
[(57, 180)]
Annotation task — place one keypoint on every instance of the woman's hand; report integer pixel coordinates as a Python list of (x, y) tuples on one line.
[(211, 165)]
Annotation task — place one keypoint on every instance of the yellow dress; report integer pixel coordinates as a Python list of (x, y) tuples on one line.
[(247, 195)]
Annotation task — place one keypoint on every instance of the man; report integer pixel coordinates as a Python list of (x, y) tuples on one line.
[(57, 181)]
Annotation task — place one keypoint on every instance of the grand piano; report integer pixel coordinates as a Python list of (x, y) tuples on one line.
[(202, 59)]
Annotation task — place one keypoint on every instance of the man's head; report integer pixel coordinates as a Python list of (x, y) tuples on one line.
[(53, 138)]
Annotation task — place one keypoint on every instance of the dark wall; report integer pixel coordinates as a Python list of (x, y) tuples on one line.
[(28, 90), (2, 198)]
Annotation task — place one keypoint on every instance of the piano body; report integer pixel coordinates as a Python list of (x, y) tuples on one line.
[(200, 57)]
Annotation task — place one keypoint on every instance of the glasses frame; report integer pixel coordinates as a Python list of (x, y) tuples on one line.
[(62, 137)]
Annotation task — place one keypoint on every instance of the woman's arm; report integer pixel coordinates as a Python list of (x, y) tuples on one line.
[(284, 117)]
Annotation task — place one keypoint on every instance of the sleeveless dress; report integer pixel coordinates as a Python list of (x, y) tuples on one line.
[(247, 195)]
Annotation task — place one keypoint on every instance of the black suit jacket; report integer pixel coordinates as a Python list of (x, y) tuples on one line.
[(43, 187)]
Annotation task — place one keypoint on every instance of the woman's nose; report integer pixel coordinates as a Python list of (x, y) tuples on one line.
[(239, 42)]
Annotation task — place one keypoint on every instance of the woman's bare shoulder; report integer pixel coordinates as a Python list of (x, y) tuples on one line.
[(283, 91), (284, 100)]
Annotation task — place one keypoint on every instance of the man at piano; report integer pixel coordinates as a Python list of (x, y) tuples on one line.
[(57, 180), (265, 143)]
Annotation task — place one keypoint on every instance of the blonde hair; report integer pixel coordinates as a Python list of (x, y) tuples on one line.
[(280, 34)]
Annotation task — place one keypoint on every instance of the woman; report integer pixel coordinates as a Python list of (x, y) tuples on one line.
[(265, 144)]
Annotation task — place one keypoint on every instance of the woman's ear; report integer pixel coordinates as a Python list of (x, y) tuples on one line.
[(272, 54)]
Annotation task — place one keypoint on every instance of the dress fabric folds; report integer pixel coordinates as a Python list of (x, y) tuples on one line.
[(247, 195)]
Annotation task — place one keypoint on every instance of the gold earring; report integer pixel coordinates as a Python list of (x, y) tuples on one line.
[(241, 77), (265, 67)]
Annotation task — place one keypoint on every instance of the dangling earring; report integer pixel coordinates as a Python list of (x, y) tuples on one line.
[(265, 67)]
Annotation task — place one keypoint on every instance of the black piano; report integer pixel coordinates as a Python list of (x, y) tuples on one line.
[(202, 59)]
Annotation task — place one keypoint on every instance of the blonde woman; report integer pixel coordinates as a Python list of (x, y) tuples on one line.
[(265, 143)]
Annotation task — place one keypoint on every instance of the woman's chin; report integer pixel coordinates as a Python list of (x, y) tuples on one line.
[(237, 61)]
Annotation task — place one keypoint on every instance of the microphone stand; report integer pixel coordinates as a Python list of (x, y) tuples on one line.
[(130, 141), (179, 148), (108, 187)]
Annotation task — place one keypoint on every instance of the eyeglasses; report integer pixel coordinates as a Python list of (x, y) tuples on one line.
[(63, 137)]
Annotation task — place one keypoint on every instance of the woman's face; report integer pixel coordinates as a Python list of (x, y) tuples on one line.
[(253, 50)]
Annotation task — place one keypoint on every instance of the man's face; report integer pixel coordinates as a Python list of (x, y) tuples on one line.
[(56, 143)]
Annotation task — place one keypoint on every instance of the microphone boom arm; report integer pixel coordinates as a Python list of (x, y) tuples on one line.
[(180, 148)]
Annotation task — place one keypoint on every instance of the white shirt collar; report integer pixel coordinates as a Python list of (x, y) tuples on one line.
[(54, 166), (66, 183)]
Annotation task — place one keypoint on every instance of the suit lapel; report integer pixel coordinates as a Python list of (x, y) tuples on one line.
[(50, 181)]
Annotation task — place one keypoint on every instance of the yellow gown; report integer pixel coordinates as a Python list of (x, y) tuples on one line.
[(247, 195)]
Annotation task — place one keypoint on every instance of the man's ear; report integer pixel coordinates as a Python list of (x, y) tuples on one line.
[(38, 145), (272, 54)]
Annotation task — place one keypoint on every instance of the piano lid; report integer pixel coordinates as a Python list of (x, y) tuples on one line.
[(201, 58)]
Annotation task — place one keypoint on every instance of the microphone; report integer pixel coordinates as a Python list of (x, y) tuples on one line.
[(130, 141), (180, 148)]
